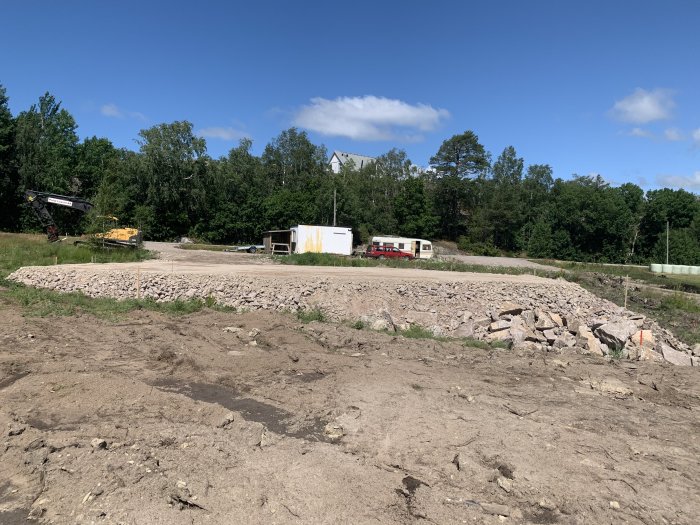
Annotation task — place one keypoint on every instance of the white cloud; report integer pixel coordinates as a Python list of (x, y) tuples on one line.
[(111, 110), (114, 111), (639, 132), (696, 137), (680, 181), (673, 134), (369, 118), (222, 133), (644, 106)]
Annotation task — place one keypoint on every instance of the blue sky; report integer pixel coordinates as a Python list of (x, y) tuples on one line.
[(587, 87)]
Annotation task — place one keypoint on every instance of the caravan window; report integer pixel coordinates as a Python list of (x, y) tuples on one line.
[(401, 246), (427, 247)]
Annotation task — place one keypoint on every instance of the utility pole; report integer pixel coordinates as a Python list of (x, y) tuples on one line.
[(334, 206)]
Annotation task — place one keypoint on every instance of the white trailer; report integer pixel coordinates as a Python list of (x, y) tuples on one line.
[(420, 248), (306, 238)]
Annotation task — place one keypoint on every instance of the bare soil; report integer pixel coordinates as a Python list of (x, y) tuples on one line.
[(157, 419), (257, 418)]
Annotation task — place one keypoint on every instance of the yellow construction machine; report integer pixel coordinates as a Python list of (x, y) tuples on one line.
[(115, 237)]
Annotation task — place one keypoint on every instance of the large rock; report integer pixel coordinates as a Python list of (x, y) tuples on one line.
[(556, 319), (509, 308), (544, 321), (565, 340), (528, 318), (550, 335), (588, 341), (499, 325), (674, 356), (615, 335), (464, 330)]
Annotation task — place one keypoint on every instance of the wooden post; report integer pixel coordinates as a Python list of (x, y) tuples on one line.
[(627, 280), (55, 259)]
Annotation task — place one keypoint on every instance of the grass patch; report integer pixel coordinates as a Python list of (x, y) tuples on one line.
[(17, 250), (679, 301), (314, 314), (418, 332), (207, 247), (615, 353), (40, 302), (687, 283), (358, 325)]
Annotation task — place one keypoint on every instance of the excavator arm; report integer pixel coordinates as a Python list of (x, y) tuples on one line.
[(116, 237), (38, 200)]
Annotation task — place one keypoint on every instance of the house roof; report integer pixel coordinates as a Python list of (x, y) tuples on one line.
[(360, 160)]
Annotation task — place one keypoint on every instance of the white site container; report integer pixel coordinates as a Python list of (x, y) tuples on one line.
[(321, 239)]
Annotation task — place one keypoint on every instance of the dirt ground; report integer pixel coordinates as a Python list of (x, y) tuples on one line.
[(174, 420), (258, 418)]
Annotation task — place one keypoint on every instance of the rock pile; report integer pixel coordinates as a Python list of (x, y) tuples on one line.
[(621, 334), (554, 316)]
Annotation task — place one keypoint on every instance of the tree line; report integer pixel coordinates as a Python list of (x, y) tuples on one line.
[(170, 187)]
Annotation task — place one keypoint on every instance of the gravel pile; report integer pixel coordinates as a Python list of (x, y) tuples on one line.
[(553, 316)]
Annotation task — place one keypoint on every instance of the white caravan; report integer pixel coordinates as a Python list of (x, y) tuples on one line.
[(420, 248)]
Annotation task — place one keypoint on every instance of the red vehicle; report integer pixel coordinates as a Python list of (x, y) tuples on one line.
[(381, 252)]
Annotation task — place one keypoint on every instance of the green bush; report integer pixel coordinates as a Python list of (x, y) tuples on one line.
[(314, 314)]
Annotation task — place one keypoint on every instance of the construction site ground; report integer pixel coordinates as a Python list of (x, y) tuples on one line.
[(221, 417)]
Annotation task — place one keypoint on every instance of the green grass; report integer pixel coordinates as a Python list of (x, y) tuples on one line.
[(314, 314), (679, 301), (17, 250), (39, 302), (325, 259), (418, 332), (208, 247), (688, 283)]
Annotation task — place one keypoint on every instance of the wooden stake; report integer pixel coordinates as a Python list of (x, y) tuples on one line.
[(627, 281), (55, 259)]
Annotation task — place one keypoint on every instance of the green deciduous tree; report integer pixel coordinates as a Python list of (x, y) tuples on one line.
[(46, 143), (174, 165), (9, 197)]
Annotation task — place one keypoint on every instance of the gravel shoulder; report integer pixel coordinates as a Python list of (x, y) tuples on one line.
[(510, 262)]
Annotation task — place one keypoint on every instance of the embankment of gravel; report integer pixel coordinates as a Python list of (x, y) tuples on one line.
[(553, 316)]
